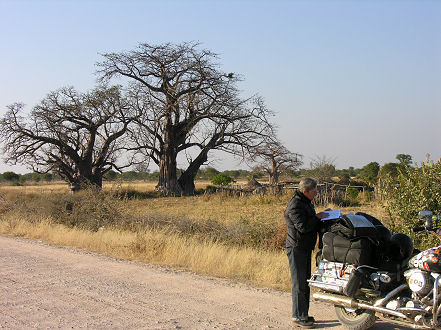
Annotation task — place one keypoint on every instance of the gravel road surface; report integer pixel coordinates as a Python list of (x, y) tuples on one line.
[(43, 286)]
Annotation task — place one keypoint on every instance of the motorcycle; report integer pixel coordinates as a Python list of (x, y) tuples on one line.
[(404, 291)]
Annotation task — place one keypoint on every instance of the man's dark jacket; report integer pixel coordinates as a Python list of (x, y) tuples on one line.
[(302, 222)]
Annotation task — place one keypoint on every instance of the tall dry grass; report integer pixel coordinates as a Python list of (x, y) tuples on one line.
[(259, 268), (233, 237)]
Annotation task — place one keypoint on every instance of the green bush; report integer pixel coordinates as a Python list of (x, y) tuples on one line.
[(353, 193), (369, 172), (11, 176), (414, 189), (221, 179)]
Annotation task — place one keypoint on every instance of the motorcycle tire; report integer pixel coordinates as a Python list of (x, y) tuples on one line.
[(359, 319)]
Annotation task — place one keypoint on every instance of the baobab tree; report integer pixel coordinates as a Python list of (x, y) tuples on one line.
[(78, 136), (189, 107), (275, 159)]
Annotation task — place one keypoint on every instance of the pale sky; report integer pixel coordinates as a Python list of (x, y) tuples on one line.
[(352, 81)]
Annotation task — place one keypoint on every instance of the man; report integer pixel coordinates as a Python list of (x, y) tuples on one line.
[(303, 225)]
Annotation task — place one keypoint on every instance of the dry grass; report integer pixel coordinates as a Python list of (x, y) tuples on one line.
[(259, 268), (144, 186), (40, 188), (218, 207), (218, 235)]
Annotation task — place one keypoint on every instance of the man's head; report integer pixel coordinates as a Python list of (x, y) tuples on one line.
[(308, 187)]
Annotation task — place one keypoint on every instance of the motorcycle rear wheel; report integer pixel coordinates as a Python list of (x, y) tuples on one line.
[(359, 319)]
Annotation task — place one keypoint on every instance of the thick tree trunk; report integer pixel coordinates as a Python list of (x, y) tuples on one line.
[(97, 181), (84, 177), (186, 180), (81, 182), (168, 182)]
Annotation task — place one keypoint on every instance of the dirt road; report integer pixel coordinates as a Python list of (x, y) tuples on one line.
[(42, 286)]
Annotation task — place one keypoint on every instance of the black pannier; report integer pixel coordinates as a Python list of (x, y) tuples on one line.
[(350, 239), (352, 226), (357, 251)]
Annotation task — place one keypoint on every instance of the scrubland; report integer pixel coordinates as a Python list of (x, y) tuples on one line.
[(240, 238)]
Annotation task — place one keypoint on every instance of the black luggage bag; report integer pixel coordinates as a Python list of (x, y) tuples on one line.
[(350, 239), (357, 251)]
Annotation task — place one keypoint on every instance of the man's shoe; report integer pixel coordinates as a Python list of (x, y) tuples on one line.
[(303, 324), (310, 318)]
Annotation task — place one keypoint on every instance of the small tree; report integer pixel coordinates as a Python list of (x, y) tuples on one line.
[(404, 159), (10, 176), (369, 172), (275, 159), (221, 179), (256, 173), (390, 169), (47, 177), (322, 168)]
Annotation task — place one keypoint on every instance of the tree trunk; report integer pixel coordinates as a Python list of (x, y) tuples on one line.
[(274, 176), (81, 182), (168, 183), (97, 180), (186, 180)]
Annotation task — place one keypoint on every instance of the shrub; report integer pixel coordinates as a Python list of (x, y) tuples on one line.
[(353, 193), (10, 176), (87, 209), (221, 179), (414, 189), (91, 210), (5, 204)]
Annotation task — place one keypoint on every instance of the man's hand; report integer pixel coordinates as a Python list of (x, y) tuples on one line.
[(322, 215)]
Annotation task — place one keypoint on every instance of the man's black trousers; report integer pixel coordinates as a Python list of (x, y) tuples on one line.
[(300, 267)]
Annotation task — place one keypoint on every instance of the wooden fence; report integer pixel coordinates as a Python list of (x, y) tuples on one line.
[(328, 192)]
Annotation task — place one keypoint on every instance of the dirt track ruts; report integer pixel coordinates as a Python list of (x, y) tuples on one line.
[(43, 286)]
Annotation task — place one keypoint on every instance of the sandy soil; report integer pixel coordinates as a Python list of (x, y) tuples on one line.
[(42, 286)]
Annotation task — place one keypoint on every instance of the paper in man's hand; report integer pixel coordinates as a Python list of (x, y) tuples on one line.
[(332, 214)]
